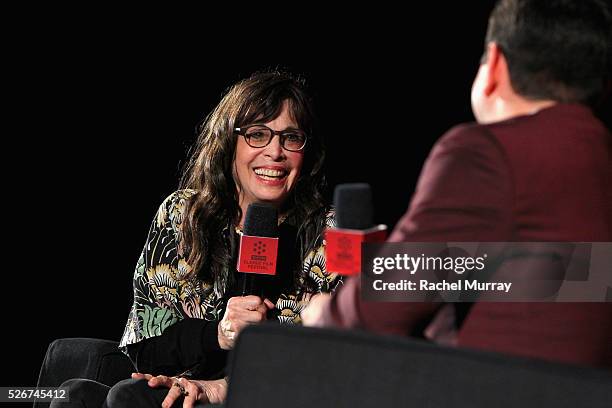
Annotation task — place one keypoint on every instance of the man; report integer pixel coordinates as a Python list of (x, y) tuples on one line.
[(536, 167)]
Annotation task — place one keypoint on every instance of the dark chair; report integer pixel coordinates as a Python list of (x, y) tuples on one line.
[(305, 367), (93, 359)]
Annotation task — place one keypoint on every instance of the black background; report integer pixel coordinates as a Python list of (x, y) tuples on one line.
[(103, 109)]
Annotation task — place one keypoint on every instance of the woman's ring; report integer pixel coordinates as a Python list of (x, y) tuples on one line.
[(181, 388), (226, 326)]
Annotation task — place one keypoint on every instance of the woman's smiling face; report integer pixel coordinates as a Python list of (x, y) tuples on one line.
[(267, 174)]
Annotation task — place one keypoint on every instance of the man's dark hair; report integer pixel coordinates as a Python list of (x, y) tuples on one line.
[(555, 49)]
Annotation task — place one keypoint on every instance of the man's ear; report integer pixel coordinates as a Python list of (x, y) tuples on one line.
[(495, 63)]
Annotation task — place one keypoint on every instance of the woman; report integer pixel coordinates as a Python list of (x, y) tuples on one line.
[(257, 146)]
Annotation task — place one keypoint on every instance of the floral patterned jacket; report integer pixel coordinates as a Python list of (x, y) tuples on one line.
[(162, 295)]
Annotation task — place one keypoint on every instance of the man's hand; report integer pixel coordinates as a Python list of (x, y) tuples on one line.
[(311, 315), (240, 312)]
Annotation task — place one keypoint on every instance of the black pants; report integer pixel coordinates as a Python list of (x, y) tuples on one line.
[(126, 393)]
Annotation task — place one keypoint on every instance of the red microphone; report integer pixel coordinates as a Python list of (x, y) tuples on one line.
[(258, 244), (353, 205)]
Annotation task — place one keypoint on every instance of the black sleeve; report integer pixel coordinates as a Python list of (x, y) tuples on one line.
[(190, 344)]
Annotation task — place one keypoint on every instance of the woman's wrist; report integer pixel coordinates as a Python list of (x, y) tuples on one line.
[(222, 336)]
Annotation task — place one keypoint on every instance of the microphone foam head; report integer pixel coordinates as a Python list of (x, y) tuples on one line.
[(261, 220), (353, 204)]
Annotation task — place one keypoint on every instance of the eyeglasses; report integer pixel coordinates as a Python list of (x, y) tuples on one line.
[(259, 136)]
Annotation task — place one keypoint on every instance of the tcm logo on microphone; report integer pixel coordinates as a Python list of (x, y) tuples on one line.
[(345, 249), (259, 249), (257, 255)]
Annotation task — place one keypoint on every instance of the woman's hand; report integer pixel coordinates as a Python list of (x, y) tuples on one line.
[(311, 315), (214, 391), (240, 312)]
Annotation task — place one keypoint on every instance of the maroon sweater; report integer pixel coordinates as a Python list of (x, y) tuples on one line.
[(541, 177)]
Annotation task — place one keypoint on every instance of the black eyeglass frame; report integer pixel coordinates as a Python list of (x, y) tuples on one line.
[(282, 134)]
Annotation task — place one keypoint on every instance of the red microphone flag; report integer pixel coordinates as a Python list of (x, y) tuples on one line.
[(343, 247), (257, 255)]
